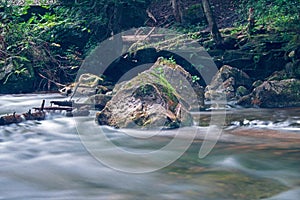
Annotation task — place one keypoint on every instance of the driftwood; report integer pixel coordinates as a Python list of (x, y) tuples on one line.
[(71, 104), (54, 108), (62, 103), (17, 118), (72, 109)]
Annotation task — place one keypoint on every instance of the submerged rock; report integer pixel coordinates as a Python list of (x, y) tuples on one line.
[(158, 97), (236, 185), (226, 82), (271, 94)]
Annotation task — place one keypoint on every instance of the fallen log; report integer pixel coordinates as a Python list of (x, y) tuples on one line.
[(74, 105), (62, 103), (17, 118), (54, 108), (70, 107), (40, 115)]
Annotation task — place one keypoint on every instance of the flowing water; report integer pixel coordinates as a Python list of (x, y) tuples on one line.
[(257, 157)]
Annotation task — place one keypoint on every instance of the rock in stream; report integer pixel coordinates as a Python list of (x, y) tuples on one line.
[(159, 97)]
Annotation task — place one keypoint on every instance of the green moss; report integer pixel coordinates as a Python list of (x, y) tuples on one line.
[(167, 88), (168, 61), (145, 89)]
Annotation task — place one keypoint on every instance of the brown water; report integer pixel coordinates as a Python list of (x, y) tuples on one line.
[(257, 157)]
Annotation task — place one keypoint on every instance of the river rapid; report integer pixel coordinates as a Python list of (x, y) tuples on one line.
[(256, 157)]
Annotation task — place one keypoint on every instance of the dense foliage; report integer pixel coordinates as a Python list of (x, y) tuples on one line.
[(45, 45), (30, 50), (42, 46), (282, 15)]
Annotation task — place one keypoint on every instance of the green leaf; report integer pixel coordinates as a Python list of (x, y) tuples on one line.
[(23, 70)]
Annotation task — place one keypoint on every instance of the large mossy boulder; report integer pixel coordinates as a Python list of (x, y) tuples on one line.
[(228, 81), (274, 94), (158, 97)]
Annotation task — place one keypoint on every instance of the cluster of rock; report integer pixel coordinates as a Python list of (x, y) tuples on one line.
[(273, 94), (247, 92), (164, 95), (229, 81), (161, 96), (258, 71)]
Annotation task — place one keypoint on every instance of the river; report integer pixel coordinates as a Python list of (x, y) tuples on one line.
[(256, 157)]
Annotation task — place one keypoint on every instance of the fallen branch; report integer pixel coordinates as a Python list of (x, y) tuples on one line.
[(62, 103), (57, 84), (151, 16), (54, 108), (73, 105)]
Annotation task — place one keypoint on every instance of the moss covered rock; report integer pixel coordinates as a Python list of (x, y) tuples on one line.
[(158, 97), (227, 81), (273, 94)]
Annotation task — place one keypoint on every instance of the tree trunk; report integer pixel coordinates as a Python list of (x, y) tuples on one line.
[(251, 21), (216, 35), (177, 10)]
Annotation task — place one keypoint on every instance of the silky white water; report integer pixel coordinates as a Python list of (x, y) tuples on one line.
[(47, 160)]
